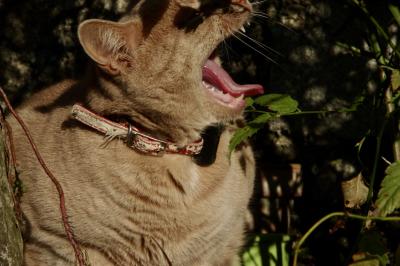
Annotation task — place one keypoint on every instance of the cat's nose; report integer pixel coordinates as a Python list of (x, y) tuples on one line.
[(243, 4)]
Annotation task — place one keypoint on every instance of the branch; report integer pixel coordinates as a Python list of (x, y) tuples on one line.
[(68, 230), (327, 217)]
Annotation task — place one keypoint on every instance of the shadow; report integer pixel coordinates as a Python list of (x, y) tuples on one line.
[(69, 97), (189, 18), (78, 93), (211, 138), (151, 11), (275, 249)]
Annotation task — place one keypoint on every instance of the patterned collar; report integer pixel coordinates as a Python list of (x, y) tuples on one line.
[(132, 136)]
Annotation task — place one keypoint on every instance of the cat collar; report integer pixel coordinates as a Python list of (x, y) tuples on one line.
[(131, 135)]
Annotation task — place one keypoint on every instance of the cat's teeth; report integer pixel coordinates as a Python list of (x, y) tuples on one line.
[(243, 29), (236, 101), (212, 88)]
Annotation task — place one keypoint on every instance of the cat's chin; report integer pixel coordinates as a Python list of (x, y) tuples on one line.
[(220, 86)]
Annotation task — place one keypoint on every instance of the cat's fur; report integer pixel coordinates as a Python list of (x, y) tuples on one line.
[(127, 208)]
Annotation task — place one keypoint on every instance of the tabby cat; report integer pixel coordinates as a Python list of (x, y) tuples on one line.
[(153, 73)]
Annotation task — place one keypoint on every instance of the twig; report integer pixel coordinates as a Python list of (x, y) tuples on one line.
[(68, 230), (13, 181), (327, 217)]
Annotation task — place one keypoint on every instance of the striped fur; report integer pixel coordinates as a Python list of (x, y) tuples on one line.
[(127, 208)]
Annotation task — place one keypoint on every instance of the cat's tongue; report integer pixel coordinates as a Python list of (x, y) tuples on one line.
[(217, 77)]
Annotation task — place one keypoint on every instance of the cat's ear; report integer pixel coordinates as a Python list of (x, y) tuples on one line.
[(110, 44), (195, 4)]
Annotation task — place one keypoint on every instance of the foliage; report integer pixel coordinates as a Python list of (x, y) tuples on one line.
[(389, 194), (383, 107), (276, 104), (268, 247)]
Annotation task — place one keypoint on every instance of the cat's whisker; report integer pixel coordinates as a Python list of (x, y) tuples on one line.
[(259, 2), (226, 48), (264, 17), (261, 14), (254, 49), (260, 44)]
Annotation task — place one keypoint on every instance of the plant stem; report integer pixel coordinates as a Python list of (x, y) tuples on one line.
[(327, 217), (378, 27), (317, 112), (303, 112), (390, 109), (375, 165), (355, 50), (377, 49)]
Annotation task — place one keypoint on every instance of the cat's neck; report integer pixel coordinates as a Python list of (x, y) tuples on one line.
[(107, 97)]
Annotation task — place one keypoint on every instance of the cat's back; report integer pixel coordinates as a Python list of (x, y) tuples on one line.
[(44, 114), (47, 96)]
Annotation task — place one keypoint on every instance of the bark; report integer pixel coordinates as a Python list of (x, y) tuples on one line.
[(11, 244)]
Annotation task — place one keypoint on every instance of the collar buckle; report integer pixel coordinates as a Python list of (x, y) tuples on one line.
[(131, 136)]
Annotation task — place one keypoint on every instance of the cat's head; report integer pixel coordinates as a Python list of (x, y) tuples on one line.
[(158, 64)]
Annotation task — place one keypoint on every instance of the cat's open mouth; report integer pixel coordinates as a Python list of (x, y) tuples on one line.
[(222, 87)]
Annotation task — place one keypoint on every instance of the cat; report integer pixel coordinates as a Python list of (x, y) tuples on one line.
[(172, 196)]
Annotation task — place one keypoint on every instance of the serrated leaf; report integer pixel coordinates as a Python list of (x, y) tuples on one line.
[(355, 192), (246, 132), (395, 79), (261, 119), (389, 194), (240, 135), (281, 103), (249, 101)]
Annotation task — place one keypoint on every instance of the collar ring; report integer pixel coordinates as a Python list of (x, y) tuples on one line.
[(130, 137)]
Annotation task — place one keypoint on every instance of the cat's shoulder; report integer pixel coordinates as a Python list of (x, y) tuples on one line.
[(51, 95)]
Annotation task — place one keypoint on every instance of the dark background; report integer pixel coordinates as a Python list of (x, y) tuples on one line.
[(38, 46)]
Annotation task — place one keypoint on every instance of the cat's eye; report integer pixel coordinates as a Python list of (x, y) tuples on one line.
[(189, 18), (236, 8)]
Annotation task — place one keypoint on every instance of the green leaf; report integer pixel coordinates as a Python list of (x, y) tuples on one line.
[(252, 127), (395, 13), (249, 101), (252, 256), (269, 249), (280, 103), (240, 135), (389, 194), (262, 119), (395, 79)]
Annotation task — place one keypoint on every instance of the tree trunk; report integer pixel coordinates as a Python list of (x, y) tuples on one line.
[(11, 244)]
